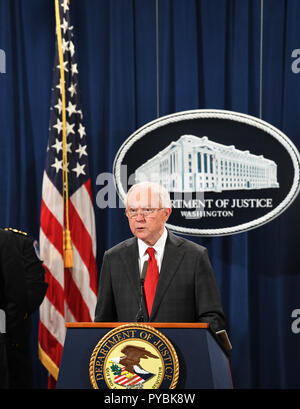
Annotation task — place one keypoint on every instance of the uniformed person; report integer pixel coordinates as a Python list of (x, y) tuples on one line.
[(22, 290)]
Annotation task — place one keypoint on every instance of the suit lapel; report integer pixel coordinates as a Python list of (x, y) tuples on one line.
[(172, 257), (130, 257)]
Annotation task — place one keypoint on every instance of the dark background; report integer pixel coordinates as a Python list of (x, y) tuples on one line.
[(209, 55)]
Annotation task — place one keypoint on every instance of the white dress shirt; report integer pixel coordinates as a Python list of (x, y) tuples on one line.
[(159, 248)]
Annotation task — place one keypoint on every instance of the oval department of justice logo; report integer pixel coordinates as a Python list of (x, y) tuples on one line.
[(134, 356), (226, 172)]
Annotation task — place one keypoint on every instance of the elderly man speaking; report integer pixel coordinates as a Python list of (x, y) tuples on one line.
[(179, 285)]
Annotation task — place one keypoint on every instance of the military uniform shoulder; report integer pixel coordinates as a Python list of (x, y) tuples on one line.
[(12, 236), (17, 235), (10, 229), (21, 238)]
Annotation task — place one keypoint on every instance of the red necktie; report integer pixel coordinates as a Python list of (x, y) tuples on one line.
[(151, 279)]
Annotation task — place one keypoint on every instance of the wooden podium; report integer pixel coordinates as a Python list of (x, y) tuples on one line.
[(203, 364)]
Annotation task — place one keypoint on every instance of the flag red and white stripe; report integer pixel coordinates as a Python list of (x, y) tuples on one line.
[(124, 380)]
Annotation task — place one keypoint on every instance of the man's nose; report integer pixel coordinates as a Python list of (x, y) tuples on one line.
[(140, 216)]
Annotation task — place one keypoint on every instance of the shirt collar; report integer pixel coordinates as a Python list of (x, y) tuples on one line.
[(159, 246)]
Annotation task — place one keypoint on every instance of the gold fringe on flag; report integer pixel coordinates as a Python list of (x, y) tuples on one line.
[(67, 244)]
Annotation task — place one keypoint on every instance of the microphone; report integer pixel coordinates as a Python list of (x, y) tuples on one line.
[(140, 315)]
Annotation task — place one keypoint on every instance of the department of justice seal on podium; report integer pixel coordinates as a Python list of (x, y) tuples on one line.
[(134, 356)]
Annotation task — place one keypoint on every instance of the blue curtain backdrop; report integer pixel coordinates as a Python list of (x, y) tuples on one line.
[(140, 59)]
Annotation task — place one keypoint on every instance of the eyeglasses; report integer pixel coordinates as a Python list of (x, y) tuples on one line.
[(146, 212)]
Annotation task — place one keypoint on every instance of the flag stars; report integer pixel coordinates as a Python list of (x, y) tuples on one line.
[(68, 147), (79, 170), (59, 85), (67, 157), (81, 150), (71, 48), (58, 125), (58, 105), (81, 130), (70, 128), (65, 66), (72, 89), (74, 69), (57, 146), (57, 165), (64, 25), (71, 108), (65, 6), (65, 167), (65, 45)]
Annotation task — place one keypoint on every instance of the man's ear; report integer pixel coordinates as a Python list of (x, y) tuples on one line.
[(168, 211)]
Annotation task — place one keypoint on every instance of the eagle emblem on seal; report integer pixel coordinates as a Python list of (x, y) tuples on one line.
[(127, 369)]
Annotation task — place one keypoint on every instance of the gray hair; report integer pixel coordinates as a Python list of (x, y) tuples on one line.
[(163, 194)]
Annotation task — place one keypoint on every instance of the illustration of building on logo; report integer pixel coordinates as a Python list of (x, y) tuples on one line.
[(193, 164)]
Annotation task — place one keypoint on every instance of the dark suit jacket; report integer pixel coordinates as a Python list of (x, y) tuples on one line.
[(22, 278), (186, 292), (22, 289)]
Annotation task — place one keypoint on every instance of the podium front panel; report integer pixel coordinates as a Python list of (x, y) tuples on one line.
[(202, 363)]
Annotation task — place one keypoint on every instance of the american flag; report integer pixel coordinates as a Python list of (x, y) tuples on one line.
[(128, 381), (72, 292)]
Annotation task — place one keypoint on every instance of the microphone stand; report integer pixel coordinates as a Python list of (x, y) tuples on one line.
[(140, 315)]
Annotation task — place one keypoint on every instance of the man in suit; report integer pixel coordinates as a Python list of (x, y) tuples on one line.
[(22, 289), (185, 288)]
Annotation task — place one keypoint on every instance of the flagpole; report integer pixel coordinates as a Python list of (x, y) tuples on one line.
[(67, 246)]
